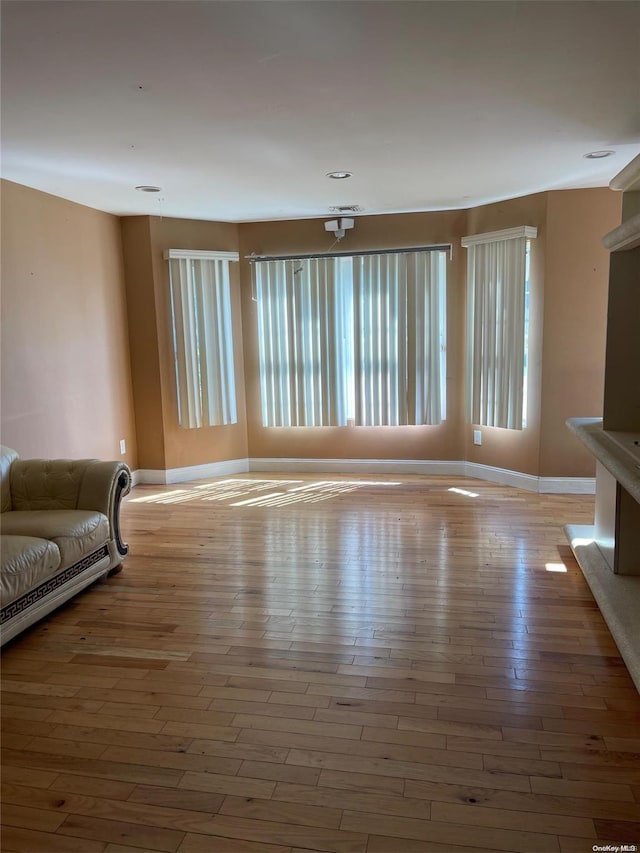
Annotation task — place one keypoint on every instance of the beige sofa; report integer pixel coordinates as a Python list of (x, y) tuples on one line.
[(59, 532)]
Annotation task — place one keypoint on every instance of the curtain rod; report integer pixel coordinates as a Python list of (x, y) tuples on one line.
[(445, 247)]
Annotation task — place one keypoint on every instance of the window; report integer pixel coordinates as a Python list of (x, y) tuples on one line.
[(357, 338), (202, 337), (497, 320)]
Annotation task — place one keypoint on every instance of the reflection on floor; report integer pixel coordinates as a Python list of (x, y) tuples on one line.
[(238, 492)]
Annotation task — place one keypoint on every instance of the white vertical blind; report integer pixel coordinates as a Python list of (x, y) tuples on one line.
[(427, 337), (496, 326), (301, 338), (380, 323), (359, 337), (202, 338), (400, 331)]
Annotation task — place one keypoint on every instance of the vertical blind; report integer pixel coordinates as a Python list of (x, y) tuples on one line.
[(301, 338), (496, 326), (202, 337), (399, 308), (352, 337)]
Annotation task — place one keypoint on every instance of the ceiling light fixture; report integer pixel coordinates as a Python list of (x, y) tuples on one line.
[(598, 155), (144, 188), (339, 227), (339, 176)]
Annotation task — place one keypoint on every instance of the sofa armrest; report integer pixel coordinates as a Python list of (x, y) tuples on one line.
[(46, 484), (103, 486), (7, 458)]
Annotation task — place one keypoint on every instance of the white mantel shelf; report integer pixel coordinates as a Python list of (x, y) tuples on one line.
[(628, 180), (624, 237), (621, 463)]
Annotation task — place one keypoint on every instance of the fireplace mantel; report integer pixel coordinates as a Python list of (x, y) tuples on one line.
[(624, 237), (608, 551), (619, 452)]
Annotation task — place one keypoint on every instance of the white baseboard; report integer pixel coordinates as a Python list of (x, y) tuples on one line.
[(503, 476), (567, 485), (191, 472), (542, 485), (356, 466), (364, 467)]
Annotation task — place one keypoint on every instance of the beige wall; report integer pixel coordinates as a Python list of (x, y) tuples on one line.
[(66, 384), (575, 323), (143, 341), (170, 446), (370, 232), (66, 346)]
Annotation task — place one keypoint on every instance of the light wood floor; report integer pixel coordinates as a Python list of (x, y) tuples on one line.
[(294, 664)]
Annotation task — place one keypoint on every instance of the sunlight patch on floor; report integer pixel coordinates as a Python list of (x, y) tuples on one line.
[(463, 492), (271, 493), (555, 567)]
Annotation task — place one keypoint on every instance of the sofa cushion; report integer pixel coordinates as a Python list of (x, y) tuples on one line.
[(76, 532), (26, 562)]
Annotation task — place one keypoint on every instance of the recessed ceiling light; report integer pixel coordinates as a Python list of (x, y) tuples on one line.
[(339, 176), (598, 155), (147, 189)]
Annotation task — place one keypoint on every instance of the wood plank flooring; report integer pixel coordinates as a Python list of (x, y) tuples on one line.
[(296, 663)]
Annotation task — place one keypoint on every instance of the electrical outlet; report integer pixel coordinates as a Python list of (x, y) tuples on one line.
[(477, 436), (123, 446)]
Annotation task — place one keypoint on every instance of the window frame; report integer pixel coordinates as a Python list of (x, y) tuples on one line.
[(434, 278)]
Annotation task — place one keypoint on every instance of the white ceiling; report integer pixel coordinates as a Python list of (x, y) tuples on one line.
[(238, 109)]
